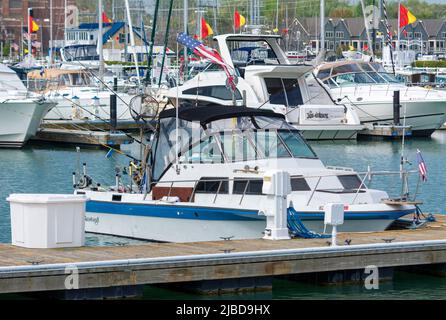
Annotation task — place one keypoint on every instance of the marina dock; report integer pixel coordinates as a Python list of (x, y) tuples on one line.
[(244, 263), (83, 137)]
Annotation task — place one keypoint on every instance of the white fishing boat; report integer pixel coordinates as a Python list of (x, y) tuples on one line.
[(21, 111), (267, 80), (202, 178), (369, 89)]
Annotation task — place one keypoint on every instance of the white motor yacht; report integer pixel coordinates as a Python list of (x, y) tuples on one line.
[(78, 97), (21, 112), (267, 80), (202, 180), (369, 89)]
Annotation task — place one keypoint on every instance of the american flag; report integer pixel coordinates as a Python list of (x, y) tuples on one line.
[(208, 53), (421, 166)]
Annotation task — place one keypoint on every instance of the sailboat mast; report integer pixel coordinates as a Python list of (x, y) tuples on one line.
[(65, 25), (322, 14), (51, 34), (132, 40), (185, 18), (100, 43)]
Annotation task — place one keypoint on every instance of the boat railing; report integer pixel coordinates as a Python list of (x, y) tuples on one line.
[(364, 176)]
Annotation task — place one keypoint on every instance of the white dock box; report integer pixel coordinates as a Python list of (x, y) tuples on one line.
[(47, 220)]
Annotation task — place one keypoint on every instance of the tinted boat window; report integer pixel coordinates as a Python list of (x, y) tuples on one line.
[(274, 87), (350, 182), (297, 145), (284, 91), (323, 73), (346, 68), (299, 184), (254, 186), (293, 92), (218, 92), (212, 185)]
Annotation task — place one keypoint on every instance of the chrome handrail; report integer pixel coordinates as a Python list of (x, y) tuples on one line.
[(367, 175)]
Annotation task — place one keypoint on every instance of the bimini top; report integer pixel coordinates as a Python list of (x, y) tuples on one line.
[(206, 114)]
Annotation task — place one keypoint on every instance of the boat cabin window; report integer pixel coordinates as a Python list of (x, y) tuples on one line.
[(206, 151), (247, 186), (352, 74), (251, 138), (350, 182), (296, 145), (212, 185), (284, 91), (299, 184), (218, 92), (238, 146)]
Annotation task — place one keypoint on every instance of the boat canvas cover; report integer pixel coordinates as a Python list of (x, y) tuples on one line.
[(206, 114)]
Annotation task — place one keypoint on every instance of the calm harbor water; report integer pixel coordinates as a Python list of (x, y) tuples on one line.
[(47, 169)]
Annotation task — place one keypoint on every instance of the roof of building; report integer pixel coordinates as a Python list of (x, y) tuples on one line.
[(356, 25)]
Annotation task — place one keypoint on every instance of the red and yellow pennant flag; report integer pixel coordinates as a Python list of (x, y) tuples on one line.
[(206, 29), (105, 19), (239, 20), (406, 17), (32, 25)]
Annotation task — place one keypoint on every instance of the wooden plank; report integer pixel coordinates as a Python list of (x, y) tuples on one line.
[(81, 137), (219, 269)]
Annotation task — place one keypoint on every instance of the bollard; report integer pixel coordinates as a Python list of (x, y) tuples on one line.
[(113, 106), (396, 107), (276, 187), (334, 216)]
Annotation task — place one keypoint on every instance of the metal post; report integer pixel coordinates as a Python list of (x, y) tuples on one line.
[(29, 33), (113, 106), (396, 107)]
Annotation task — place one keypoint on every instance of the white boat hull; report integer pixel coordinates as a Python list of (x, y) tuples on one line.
[(188, 223), (424, 117), (65, 110), (329, 132), (20, 120)]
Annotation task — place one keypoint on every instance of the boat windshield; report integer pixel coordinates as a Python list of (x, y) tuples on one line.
[(355, 73), (245, 53), (227, 140)]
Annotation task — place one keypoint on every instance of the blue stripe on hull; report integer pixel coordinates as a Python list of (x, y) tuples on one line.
[(172, 211), (209, 213)]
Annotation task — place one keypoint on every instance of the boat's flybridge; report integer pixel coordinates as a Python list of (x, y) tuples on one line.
[(243, 50), (265, 74), (226, 150), (354, 73)]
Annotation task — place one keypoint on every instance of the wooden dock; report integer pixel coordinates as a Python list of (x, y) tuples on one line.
[(82, 137), (384, 131), (29, 270)]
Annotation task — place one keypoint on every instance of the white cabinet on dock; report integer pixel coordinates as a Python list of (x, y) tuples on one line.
[(47, 220)]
